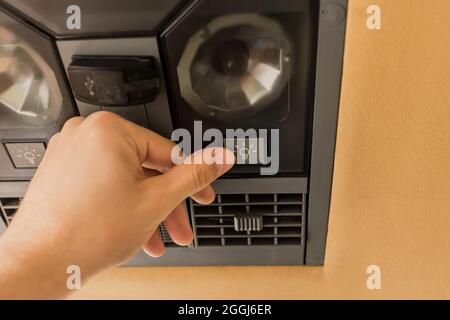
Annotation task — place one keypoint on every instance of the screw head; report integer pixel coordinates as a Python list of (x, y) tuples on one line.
[(334, 14)]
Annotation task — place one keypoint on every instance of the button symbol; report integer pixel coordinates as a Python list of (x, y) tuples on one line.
[(244, 152), (89, 84), (26, 155), (30, 157), (248, 150)]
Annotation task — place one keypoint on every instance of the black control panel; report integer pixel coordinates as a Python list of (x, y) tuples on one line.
[(114, 81), (263, 76), (68, 18), (35, 100)]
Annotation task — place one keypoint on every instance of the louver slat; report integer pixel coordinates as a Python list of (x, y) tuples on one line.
[(250, 219)]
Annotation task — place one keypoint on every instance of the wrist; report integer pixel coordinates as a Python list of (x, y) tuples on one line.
[(35, 259)]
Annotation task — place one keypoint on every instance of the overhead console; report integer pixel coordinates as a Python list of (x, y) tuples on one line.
[(34, 97), (262, 75)]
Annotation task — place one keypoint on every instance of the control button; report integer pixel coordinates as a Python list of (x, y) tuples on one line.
[(248, 223), (26, 155), (114, 81), (248, 150)]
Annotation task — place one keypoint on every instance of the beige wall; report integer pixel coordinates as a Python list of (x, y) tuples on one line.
[(391, 191)]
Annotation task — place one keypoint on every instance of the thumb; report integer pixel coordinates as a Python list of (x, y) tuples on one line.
[(197, 171)]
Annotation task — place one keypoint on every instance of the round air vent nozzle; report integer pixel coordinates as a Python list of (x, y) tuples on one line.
[(235, 66)]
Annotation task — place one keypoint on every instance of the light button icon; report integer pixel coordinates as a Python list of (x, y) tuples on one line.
[(26, 155), (248, 151)]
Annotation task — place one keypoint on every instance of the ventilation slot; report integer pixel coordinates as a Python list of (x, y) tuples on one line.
[(9, 207), (166, 237), (250, 219)]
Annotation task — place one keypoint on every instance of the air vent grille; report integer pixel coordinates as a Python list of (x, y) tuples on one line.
[(282, 217), (8, 208), (166, 237)]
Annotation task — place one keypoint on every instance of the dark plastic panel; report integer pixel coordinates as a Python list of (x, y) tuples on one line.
[(332, 22), (238, 256), (328, 87), (13, 189), (98, 17), (10, 190), (136, 114), (233, 255), (18, 130), (155, 115), (291, 112)]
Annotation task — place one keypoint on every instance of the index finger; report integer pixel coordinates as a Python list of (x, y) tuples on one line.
[(153, 150)]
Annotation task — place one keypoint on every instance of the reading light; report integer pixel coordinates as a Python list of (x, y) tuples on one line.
[(235, 66), (26, 82)]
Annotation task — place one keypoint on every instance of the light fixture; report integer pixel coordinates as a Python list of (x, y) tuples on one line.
[(28, 88), (235, 66)]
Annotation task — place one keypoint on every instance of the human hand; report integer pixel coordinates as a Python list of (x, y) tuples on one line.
[(98, 196)]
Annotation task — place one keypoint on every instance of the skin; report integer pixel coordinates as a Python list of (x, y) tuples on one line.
[(97, 198)]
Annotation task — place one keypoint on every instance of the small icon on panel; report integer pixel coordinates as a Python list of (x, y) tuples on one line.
[(89, 84), (249, 151), (26, 155)]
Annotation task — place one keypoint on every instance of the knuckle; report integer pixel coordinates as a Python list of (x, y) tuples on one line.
[(101, 125), (72, 122), (52, 140), (102, 118), (202, 174)]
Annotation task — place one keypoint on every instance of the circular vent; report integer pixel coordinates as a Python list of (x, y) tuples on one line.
[(235, 67)]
